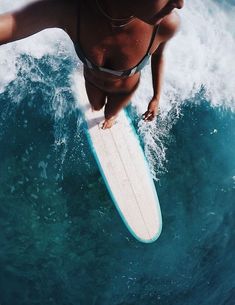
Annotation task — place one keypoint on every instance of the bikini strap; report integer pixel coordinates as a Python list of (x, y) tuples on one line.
[(155, 29), (146, 58)]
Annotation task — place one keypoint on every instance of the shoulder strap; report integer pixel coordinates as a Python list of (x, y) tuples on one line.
[(155, 29)]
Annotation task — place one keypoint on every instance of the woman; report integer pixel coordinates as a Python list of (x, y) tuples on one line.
[(114, 39)]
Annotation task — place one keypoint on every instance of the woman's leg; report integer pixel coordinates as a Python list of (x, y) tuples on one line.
[(96, 96), (115, 103)]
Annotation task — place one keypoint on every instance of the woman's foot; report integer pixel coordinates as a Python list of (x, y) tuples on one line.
[(108, 123)]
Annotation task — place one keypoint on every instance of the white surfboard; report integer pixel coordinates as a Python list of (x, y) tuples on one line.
[(124, 169)]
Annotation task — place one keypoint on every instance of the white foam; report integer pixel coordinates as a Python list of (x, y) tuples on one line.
[(9, 5), (50, 41), (200, 56)]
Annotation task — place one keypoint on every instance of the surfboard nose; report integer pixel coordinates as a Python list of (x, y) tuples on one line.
[(147, 226)]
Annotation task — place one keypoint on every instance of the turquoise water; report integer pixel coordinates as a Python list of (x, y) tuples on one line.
[(62, 241)]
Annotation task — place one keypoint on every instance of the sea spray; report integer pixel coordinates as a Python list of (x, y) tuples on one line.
[(200, 59)]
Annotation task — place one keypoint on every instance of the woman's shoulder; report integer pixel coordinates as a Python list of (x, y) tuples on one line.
[(169, 26)]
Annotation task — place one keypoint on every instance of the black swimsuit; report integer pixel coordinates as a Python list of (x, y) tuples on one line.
[(128, 72)]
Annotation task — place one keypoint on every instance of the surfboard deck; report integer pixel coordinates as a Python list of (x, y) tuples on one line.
[(124, 168)]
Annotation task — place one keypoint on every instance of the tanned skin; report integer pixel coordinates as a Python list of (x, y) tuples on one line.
[(117, 48)]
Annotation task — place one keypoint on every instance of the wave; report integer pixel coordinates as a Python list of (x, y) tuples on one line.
[(200, 59)]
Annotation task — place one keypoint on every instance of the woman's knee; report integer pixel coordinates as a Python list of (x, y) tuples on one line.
[(97, 97), (97, 107)]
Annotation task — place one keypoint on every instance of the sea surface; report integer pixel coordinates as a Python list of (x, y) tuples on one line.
[(62, 241)]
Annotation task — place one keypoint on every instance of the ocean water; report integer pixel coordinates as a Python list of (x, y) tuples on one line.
[(61, 240)]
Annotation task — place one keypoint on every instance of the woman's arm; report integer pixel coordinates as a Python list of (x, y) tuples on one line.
[(31, 19), (157, 68), (167, 30)]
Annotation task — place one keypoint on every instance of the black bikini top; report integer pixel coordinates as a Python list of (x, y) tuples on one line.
[(128, 72)]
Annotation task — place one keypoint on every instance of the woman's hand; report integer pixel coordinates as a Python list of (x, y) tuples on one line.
[(150, 114)]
